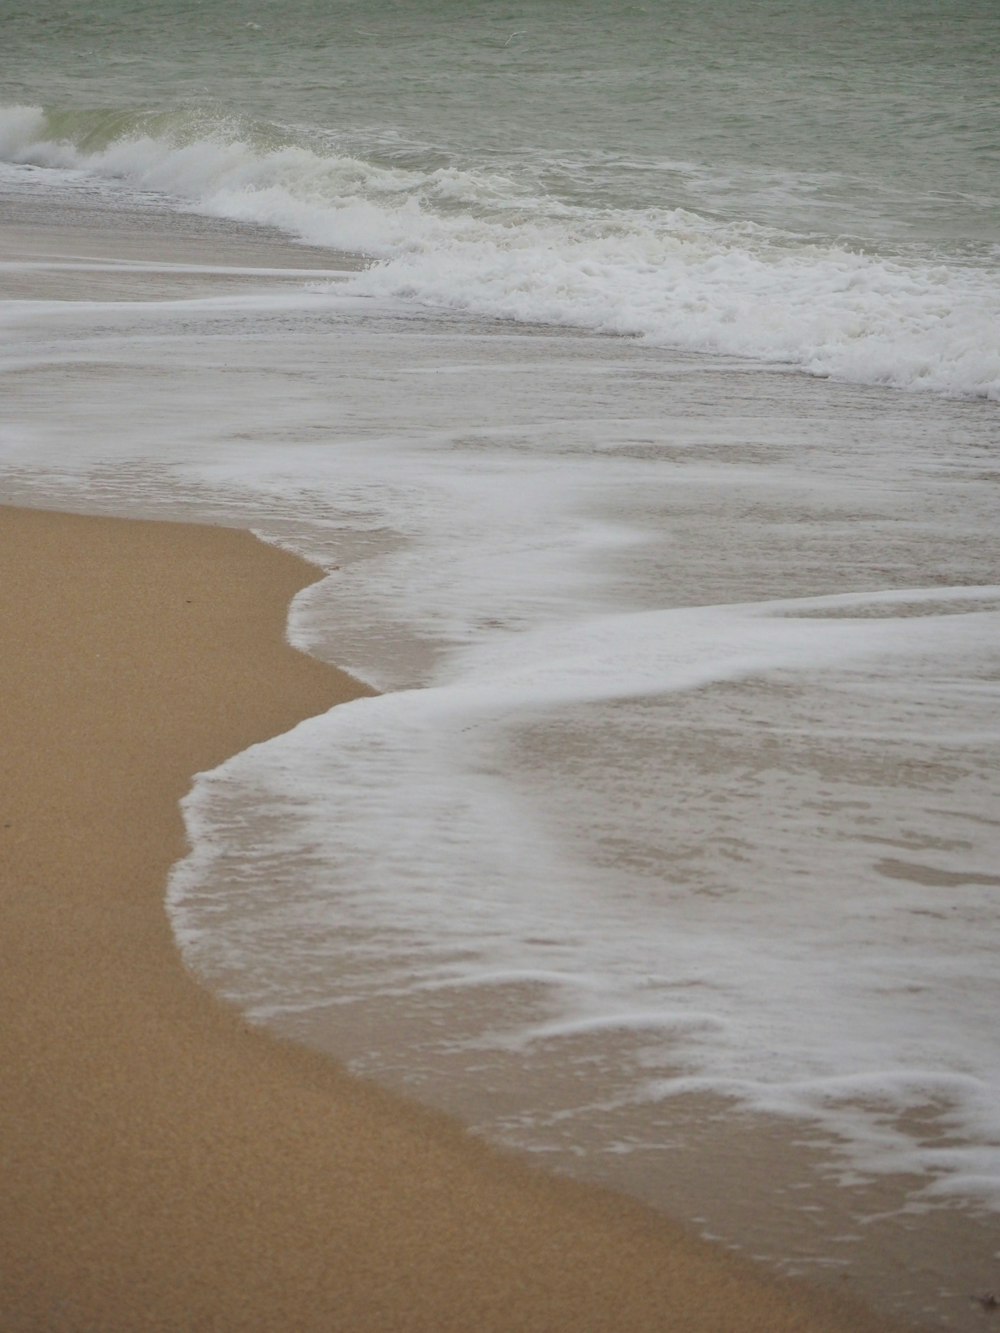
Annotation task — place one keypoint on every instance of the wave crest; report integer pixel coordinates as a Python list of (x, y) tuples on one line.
[(479, 241)]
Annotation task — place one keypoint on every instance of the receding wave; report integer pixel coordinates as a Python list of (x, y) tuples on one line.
[(480, 241)]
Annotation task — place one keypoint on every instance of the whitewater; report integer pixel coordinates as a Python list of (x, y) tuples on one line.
[(914, 316)]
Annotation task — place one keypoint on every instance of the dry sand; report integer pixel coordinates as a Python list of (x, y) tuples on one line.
[(165, 1167)]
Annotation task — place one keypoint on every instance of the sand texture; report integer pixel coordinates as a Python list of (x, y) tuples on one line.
[(165, 1167)]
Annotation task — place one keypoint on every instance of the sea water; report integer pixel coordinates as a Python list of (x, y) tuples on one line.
[(632, 371)]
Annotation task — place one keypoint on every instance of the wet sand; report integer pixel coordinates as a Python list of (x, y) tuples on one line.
[(165, 1167)]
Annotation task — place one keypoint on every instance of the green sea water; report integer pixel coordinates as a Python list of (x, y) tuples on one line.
[(814, 184), (838, 115)]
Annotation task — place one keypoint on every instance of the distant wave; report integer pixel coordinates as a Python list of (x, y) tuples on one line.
[(485, 243)]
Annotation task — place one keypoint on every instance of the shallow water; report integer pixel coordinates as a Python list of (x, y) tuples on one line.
[(670, 853)]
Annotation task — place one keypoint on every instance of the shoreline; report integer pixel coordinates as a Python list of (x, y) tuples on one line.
[(167, 1166)]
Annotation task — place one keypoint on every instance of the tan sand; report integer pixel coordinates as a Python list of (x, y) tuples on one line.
[(164, 1167)]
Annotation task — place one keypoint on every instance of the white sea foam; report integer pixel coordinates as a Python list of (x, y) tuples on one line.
[(846, 1013), (482, 242)]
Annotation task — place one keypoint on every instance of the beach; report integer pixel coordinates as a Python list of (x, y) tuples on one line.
[(606, 398), (171, 383), (166, 1166)]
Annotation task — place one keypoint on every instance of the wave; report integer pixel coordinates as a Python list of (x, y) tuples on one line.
[(398, 865), (468, 237)]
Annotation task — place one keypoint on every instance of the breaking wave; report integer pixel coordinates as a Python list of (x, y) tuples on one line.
[(469, 237)]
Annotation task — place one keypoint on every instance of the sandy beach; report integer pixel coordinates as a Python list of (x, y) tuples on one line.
[(165, 1167)]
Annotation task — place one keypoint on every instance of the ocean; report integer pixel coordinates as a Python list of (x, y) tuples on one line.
[(633, 372)]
